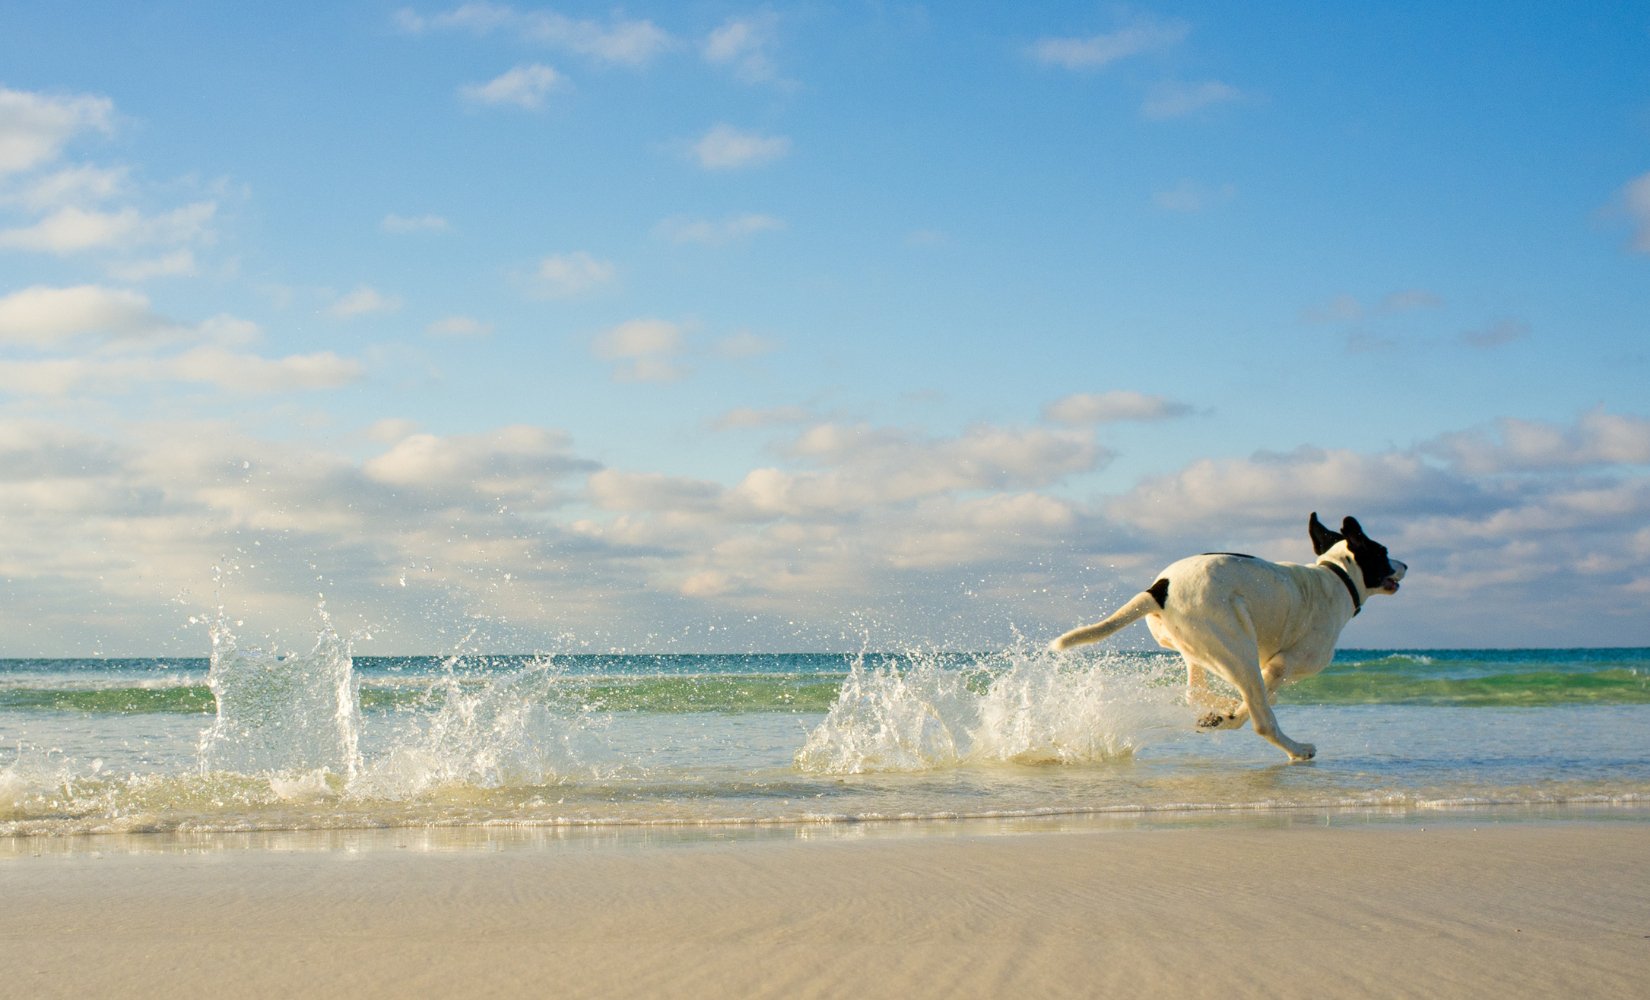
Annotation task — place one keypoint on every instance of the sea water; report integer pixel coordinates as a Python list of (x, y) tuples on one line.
[(248, 739)]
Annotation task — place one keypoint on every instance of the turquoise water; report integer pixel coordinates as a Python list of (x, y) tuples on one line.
[(250, 740)]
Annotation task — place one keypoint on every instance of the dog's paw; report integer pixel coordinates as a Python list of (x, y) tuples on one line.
[(1303, 752), (1216, 720)]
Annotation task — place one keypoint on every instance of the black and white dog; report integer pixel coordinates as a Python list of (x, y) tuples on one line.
[(1257, 624)]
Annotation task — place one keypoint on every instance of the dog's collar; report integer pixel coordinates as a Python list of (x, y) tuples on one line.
[(1351, 588)]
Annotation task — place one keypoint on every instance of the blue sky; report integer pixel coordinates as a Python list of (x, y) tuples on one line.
[(712, 326)]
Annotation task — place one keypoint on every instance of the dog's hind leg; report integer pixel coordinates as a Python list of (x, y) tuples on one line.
[(1220, 712)]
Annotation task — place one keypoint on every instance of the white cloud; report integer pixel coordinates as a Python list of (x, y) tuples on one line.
[(363, 301), (1083, 409), (78, 185), (72, 229), (1177, 100), (177, 264), (208, 365), (34, 127), (744, 45), (727, 148), (646, 350), (458, 326), (717, 232), (1098, 51), (520, 462), (746, 417), (623, 41), (1597, 438), (564, 276), (413, 223), (524, 87), (43, 317)]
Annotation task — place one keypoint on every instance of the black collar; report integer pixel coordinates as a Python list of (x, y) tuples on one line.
[(1351, 588)]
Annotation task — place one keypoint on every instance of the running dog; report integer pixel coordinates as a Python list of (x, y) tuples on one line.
[(1259, 625)]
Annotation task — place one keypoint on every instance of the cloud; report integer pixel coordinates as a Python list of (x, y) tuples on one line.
[(208, 365), (1597, 438), (1345, 308), (742, 344), (78, 185), (72, 229), (1177, 100), (622, 41), (518, 461), (727, 148), (35, 127), (1635, 198), (1189, 197), (744, 45), (525, 87), (458, 326), (43, 317), (1497, 334), (746, 417), (564, 276), (413, 223), (717, 232), (645, 350), (363, 301), (1098, 51), (1085, 409), (177, 264)]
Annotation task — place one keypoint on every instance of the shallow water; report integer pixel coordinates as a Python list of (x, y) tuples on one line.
[(248, 740)]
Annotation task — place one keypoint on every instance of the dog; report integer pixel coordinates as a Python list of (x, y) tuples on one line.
[(1258, 625)]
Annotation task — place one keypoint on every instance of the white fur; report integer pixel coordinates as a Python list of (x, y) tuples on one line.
[(1258, 625)]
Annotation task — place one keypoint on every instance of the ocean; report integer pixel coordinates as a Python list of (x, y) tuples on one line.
[(248, 740)]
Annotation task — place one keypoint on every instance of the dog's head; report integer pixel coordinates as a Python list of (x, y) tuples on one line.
[(1381, 573)]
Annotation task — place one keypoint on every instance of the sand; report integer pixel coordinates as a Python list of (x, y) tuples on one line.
[(1385, 910)]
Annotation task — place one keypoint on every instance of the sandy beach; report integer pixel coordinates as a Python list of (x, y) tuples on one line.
[(1425, 910)]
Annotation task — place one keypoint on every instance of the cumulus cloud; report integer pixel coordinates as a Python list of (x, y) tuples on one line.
[(1179, 99), (1110, 407), (622, 41), (1093, 52), (524, 87), (35, 127), (745, 45), (363, 301), (458, 326), (564, 276), (644, 350), (717, 232), (208, 365), (43, 317), (727, 148), (1597, 438), (73, 229)]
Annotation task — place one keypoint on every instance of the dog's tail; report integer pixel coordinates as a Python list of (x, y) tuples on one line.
[(1143, 604)]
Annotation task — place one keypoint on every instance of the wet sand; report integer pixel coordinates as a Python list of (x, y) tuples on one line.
[(1386, 910)]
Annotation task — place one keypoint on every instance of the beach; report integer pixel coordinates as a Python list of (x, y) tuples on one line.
[(1322, 905)]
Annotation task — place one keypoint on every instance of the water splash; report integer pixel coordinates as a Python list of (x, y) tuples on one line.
[(282, 712), (520, 728), (1023, 706)]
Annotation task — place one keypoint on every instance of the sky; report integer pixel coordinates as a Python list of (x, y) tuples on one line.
[(816, 326)]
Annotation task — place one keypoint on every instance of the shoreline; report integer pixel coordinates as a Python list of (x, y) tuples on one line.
[(530, 835), (1520, 908)]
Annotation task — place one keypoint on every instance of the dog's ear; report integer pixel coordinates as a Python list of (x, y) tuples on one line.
[(1352, 529), (1322, 538)]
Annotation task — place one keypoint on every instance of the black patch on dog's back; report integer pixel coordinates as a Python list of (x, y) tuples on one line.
[(1234, 555), (1160, 592)]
